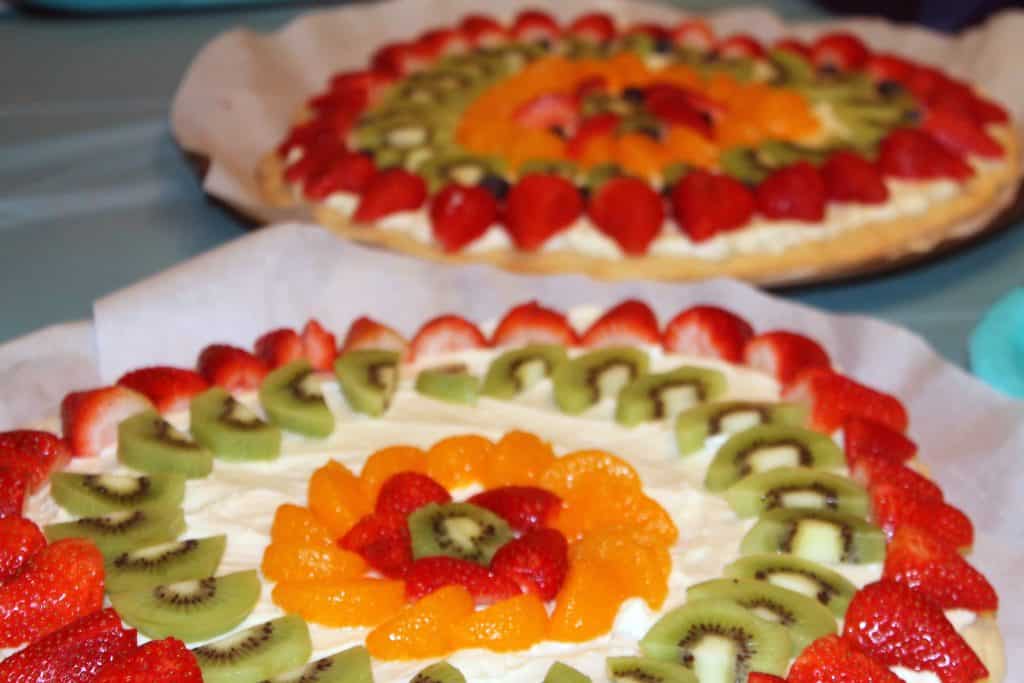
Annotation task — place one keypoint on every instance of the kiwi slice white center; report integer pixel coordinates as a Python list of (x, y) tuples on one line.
[(767, 456), (734, 421), (238, 415)]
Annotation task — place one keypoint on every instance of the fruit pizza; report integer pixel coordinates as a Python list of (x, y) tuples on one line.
[(562, 498), (644, 151)]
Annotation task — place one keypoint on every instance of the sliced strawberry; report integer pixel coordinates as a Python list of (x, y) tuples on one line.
[(915, 558), (531, 323), (523, 507), (915, 154), (361, 82), (897, 626), (169, 389), (35, 452), (840, 51), (959, 132), (445, 334), (784, 355), (674, 106), (539, 206), (73, 654), (537, 562), (390, 191), (279, 347), (796, 192), (318, 154), (876, 471), (230, 367), (832, 658), (407, 491), (61, 583), (739, 46), (350, 172), (709, 332), (306, 136), (705, 204), (439, 42), (833, 398), (601, 125), (367, 333), (850, 177), (864, 438), (694, 34), (894, 508), (596, 27), (383, 541), (427, 574), (546, 111), (319, 346), (89, 419), (460, 214), (797, 47), (629, 211), (630, 323), (986, 111), (158, 660), (20, 541), (482, 31), (888, 68), (14, 487), (394, 59), (535, 27)]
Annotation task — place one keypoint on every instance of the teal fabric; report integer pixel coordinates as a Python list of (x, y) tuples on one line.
[(997, 345)]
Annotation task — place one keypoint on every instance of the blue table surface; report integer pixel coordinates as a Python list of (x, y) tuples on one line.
[(95, 195)]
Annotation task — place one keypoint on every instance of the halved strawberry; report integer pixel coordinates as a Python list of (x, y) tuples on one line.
[(279, 347), (89, 419), (363, 82), (915, 558), (394, 59), (531, 323), (898, 626), (367, 333), (739, 45), (708, 331), (796, 192), (444, 334), (888, 68), (784, 355), (595, 27), (523, 507), (439, 42), (864, 438), (694, 34), (629, 211), (832, 658), (839, 50), (306, 136), (894, 508), (849, 177), (36, 452), (20, 541), (231, 367), (383, 541), (427, 574), (535, 26), (537, 562), (705, 204), (482, 31), (601, 125), (986, 111), (317, 155), (319, 346), (539, 206), (349, 172), (460, 214), (959, 132), (549, 110), (675, 107), (833, 398), (630, 323), (169, 389), (390, 191), (875, 471), (14, 487), (167, 660), (797, 47), (407, 491), (915, 154)]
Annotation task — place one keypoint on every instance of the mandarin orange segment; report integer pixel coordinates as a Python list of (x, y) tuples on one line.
[(686, 144), (423, 629), (284, 561), (587, 604), (566, 472), (459, 460), (642, 568), (337, 603), (506, 626), (386, 462), (337, 498), (518, 459), (600, 502), (640, 155), (296, 524)]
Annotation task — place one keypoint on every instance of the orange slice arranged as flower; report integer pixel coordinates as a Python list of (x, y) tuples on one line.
[(337, 498), (600, 502), (386, 462), (518, 459), (506, 626), (345, 602), (566, 473), (459, 460), (587, 604), (422, 630), (641, 566), (284, 561), (296, 524)]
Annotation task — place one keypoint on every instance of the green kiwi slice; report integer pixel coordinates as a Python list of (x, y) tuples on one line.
[(559, 672), (796, 487), (829, 588), (766, 447), (148, 443), (118, 532), (153, 565), (449, 383), (564, 169), (464, 169), (440, 672), (368, 379), (586, 379), (805, 618), (88, 495), (256, 653), (596, 176), (720, 641), (792, 68), (461, 530), (229, 429), (191, 610), (697, 424), (348, 666), (816, 535), (646, 670), (513, 372), (663, 395), (293, 399)]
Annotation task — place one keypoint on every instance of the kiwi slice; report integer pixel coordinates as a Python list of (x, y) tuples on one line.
[(256, 653), (293, 399), (464, 169), (743, 164), (450, 383), (816, 535), (564, 169), (811, 579), (348, 666), (720, 641), (440, 672), (769, 446), (586, 379), (804, 617), (88, 495), (666, 394), (118, 532), (672, 174), (461, 530), (792, 68), (191, 610), (368, 379), (149, 443), (230, 429), (647, 670), (796, 487), (694, 426), (563, 673), (154, 565), (513, 372)]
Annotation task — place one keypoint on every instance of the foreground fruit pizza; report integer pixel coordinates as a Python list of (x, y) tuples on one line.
[(562, 498), (649, 150)]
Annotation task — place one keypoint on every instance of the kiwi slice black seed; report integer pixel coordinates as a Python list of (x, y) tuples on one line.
[(828, 587), (153, 565), (461, 530), (449, 383), (513, 372), (293, 399), (583, 381), (647, 670), (348, 666), (657, 396), (88, 495), (816, 535), (440, 672), (368, 379), (148, 443), (796, 487), (696, 425), (256, 653), (230, 429), (559, 672), (766, 447), (118, 532)]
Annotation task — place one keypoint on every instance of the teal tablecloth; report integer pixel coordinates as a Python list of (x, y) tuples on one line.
[(94, 194)]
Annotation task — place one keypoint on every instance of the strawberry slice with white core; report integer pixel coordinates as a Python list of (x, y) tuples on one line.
[(783, 354), (367, 333), (631, 323), (90, 418), (446, 334), (531, 323), (709, 332)]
